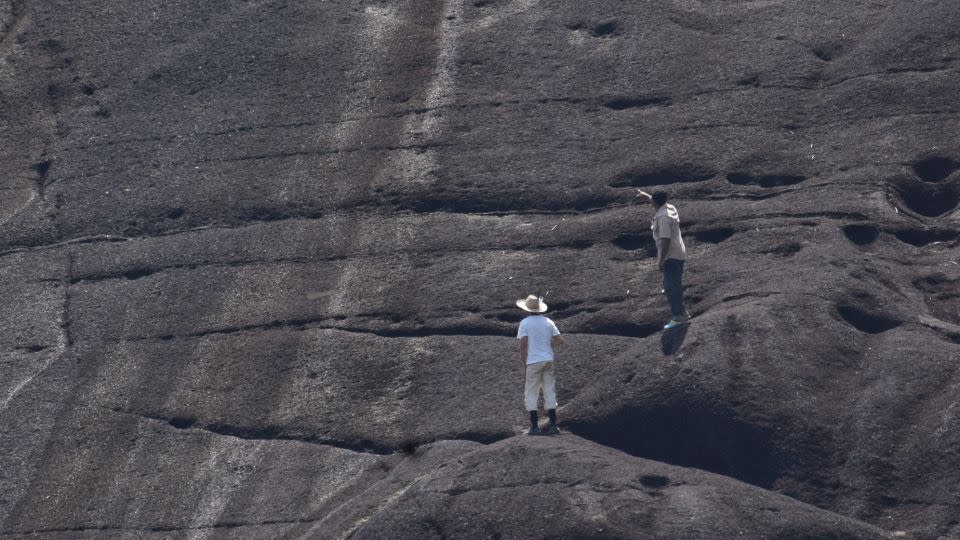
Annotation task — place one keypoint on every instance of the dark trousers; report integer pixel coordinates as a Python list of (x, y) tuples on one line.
[(673, 286)]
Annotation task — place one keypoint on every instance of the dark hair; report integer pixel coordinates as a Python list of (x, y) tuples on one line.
[(660, 197)]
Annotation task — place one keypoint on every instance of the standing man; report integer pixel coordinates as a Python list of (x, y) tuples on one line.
[(538, 335), (671, 254)]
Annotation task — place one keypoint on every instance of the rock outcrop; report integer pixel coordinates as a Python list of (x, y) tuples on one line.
[(258, 262)]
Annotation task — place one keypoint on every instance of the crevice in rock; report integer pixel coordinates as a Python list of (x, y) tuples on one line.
[(748, 295), (660, 176), (765, 181), (66, 323), (621, 328), (160, 528), (32, 348), (261, 433), (861, 235), (624, 103), (689, 433), (935, 169), (870, 323)]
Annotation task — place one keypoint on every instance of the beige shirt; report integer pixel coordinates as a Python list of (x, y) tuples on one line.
[(666, 224)]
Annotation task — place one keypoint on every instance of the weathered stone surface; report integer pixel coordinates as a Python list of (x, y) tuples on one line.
[(258, 262)]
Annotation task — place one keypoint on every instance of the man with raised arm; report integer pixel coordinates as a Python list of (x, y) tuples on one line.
[(671, 254), (538, 335)]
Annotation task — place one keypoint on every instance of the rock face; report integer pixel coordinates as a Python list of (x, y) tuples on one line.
[(258, 262)]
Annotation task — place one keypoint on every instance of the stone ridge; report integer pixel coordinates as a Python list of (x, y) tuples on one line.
[(258, 261)]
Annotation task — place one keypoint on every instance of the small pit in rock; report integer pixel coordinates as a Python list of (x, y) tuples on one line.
[(861, 235), (765, 181), (870, 323), (182, 423), (42, 167), (935, 169), (659, 176), (605, 29), (924, 237), (785, 249), (633, 242), (928, 200), (654, 481), (714, 236)]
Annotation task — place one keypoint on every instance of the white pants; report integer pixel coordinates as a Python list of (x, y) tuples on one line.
[(540, 375)]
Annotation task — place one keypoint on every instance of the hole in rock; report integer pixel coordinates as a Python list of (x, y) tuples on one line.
[(827, 51), (751, 80), (176, 213), (714, 236), (870, 323), (182, 423), (623, 103), (766, 181), (785, 250), (654, 480), (861, 235), (52, 45), (88, 90), (935, 169), (925, 237), (42, 167), (934, 283), (103, 112), (604, 29), (663, 176), (689, 433), (632, 242), (928, 200)]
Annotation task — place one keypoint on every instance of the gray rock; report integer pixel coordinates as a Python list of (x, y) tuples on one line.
[(258, 263)]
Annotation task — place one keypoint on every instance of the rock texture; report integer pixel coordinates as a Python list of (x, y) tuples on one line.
[(258, 261)]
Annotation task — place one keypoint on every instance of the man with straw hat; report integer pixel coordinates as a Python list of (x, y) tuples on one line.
[(538, 335)]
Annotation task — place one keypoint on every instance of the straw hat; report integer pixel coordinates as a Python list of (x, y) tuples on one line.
[(532, 304)]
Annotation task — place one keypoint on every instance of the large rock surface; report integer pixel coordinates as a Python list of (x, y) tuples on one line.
[(258, 261)]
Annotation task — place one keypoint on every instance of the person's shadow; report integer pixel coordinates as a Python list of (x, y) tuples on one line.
[(672, 339)]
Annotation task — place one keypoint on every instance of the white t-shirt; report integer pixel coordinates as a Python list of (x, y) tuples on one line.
[(539, 331), (666, 224)]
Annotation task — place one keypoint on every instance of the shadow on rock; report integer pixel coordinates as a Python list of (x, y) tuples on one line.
[(672, 339)]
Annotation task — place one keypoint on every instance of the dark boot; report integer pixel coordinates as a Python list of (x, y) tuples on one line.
[(552, 429), (534, 428)]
